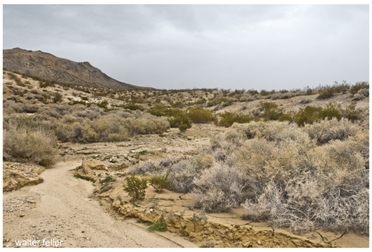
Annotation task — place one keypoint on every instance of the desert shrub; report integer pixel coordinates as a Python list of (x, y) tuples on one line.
[(324, 131), (358, 86), (361, 94), (102, 104), (32, 123), (332, 110), (157, 110), (46, 83), (351, 112), (30, 108), (180, 120), (219, 188), (200, 115), (290, 179), (223, 101), (280, 95), (23, 144), (182, 174), (308, 115), (76, 132), (271, 131), (57, 97), (135, 186), (264, 92), (159, 182), (155, 167), (333, 197), (146, 124), (229, 118), (90, 113), (270, 111), (133, 106), (110, 129), (326, 92)]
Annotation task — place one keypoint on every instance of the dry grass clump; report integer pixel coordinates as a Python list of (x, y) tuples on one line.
[(24, 144)]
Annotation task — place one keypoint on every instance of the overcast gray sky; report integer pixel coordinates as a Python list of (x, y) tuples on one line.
[(202, 46)]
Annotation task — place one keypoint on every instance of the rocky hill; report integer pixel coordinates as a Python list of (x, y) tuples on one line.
[(49, 67)]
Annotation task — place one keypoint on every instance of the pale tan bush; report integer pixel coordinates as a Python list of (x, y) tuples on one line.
[(326, 130), (219, 188), (291, 180), (271, 130), (110, 129), (76, 132), (181, 176), (28, 145), (155, 167)]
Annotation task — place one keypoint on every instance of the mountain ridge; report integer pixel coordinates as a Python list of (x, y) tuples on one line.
[(50, 67)]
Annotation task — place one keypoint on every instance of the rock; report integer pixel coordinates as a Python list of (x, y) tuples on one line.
[(94, 165), (16, 175)]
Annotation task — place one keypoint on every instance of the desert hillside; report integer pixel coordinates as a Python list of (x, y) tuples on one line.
[(199, 168), (47, 66)]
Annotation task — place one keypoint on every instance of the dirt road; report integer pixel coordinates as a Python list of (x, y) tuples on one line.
[(59, 213)]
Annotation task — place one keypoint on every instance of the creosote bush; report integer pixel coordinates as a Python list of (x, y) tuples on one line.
[(200, 115), (136, 187), (228, 118)]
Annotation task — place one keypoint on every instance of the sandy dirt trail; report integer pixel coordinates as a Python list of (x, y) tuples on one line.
[(62, 210)]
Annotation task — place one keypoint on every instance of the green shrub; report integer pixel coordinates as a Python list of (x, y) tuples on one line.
[(308, 115), (270, 111), (159, 182), (359, 85), (264, 92), (57, 97), (326, 92), (180, 120), (332, 110), (103, 104), (351, 113), (200, 115), (133, 106), (158, 110), (229, 118), (136, 187)]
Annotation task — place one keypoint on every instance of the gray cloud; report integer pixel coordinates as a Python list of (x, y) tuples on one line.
[(187, 46)]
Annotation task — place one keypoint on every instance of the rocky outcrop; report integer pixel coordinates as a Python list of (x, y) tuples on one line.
[(218, 234), (17, 175), (49, 67)]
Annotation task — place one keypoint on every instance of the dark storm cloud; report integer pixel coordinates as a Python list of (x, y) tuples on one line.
[(187, 46)]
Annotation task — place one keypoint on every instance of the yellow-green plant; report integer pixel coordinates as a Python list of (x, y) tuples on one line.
[(159, 182), (136, 187)]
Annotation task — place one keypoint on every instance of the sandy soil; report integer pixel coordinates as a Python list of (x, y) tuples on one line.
[(60, 210)]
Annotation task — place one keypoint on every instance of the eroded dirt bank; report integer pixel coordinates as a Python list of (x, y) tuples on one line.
[(59, 210)]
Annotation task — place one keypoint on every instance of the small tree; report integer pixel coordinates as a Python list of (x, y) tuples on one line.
[(136, 187)]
